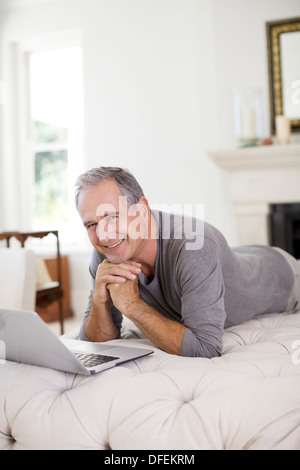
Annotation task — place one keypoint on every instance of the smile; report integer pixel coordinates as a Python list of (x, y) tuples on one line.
[(116, 244)]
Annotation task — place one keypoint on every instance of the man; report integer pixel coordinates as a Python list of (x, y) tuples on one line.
[(178, 285)]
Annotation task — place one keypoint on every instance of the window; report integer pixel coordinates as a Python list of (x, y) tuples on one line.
[(50, 175), (56, 120)]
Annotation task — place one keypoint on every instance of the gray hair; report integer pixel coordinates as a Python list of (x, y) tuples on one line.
[(126, 182)]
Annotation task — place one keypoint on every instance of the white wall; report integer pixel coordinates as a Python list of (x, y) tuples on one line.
[(158, 80)]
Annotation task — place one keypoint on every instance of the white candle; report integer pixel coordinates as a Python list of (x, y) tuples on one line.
[(249, 124), (283, 129)]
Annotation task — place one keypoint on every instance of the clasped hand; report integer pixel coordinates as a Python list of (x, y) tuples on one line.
[(118, 282)]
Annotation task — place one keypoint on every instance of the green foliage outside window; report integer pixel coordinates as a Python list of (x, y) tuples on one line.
[(46, 133), (51, 176)]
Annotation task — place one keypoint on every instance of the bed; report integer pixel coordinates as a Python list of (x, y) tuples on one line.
[(249, 398)]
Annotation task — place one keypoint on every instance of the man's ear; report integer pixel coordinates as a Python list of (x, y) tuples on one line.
[(138, 227), (139, 208), (143, 206)]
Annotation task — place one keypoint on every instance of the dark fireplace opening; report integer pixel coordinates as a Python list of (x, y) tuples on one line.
[(285, 227)]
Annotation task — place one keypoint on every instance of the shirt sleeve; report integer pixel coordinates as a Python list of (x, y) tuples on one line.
[(116, 314), (199, 275)]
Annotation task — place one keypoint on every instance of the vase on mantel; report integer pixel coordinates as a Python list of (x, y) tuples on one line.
[(248, 117)]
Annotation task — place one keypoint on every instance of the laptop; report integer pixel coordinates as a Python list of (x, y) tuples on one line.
[(25, 338)]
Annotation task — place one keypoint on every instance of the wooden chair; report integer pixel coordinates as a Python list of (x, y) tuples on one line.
[(50, 292)]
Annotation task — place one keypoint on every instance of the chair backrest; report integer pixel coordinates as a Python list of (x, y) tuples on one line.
[(17, 279)]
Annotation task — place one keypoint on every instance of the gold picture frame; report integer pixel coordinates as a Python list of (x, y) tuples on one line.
[(275, 29)]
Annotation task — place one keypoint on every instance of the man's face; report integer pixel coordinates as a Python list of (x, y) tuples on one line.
[(114, 229)]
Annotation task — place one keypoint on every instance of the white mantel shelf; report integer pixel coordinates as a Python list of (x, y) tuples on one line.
[(255, 158), (258, 178)]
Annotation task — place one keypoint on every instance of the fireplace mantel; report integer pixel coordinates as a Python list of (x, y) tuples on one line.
[(259, 177), (256, 158)]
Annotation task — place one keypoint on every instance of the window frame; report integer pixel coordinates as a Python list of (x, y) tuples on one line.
[(18, 164)]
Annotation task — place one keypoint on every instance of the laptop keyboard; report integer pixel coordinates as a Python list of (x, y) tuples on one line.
[(92, 360)]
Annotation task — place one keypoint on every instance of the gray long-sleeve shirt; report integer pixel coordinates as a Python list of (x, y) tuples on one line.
[(204, 284)]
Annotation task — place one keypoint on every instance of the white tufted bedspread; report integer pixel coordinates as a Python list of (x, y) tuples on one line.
[(247, 399)]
